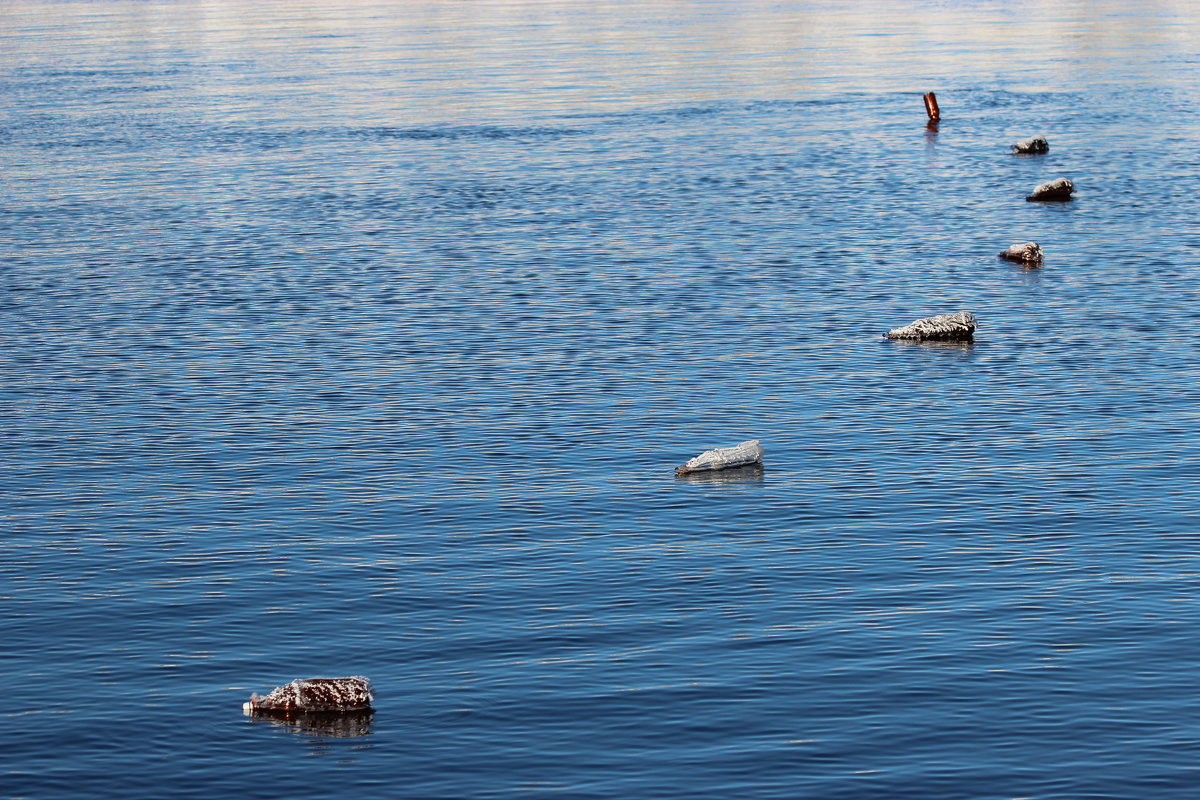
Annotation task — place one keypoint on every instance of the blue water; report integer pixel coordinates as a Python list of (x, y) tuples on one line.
[(350, 338)]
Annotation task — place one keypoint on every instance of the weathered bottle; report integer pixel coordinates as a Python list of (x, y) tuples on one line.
[(1059, 189), (316, 694), (1025, 253), (959, 326), (1034, 144), (750, 452)]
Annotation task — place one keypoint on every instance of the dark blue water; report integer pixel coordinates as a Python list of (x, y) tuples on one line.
[(351, 339)]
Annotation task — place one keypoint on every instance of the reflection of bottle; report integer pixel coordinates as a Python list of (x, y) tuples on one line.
[(325, 724), (751, 473), (316, 694)]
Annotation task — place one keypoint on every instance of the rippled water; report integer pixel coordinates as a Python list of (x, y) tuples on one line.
[(358, 339)]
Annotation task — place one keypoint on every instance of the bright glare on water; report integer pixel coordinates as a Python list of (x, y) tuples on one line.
[(363, 338)]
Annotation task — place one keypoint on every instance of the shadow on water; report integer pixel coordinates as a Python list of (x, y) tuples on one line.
[(1023, 266), (748, 474), (1029, 273), (931, 134), (326, 724), (962, 349)]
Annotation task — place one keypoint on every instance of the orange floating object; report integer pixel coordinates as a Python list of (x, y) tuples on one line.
[(931, 106)]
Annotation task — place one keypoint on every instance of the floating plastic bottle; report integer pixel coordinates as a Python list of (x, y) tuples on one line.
[(1058, 189), (959, 326), (1034, 144), (316, 694), (1026, 253), (750, 452)]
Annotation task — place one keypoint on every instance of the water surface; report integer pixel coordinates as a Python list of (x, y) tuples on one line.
[(357, 339)]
